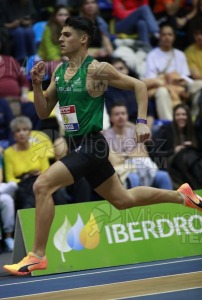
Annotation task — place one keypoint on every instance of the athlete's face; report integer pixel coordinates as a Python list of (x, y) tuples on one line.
[(119, 116), (71, 40)]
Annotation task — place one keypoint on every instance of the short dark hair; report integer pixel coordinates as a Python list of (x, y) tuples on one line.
[(83, 24), (163, 25), (117, 104), (115, 60), (82, 2)]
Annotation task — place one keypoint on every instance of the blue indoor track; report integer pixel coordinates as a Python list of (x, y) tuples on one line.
[(118, 278)]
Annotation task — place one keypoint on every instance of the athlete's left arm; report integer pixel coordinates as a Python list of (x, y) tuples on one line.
[(110, 76)]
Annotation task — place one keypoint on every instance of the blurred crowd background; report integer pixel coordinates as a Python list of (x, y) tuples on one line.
[(158, 42)]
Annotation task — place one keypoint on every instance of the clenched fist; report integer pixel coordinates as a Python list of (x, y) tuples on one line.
[(142, 132), (38, 73)]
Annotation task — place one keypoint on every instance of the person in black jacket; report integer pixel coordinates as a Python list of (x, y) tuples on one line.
[(172, 139), (198, 125)]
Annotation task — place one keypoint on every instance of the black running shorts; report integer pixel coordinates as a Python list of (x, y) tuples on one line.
[(88, 157)]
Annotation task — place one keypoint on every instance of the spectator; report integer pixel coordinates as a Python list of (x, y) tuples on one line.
[(198, 15), (198, 125), (7, 209), (131, 160), (163, 9), (177, 13), (5, 118), (101, 45), (135, 16), (24, 162), (170, 66), (14, 87), (18, 16), (114, 95), (168, 10), (49, 48), (171, 143), (194, 52), (199, 8)]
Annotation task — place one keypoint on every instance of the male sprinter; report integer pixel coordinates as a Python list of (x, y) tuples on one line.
[(79, 87)]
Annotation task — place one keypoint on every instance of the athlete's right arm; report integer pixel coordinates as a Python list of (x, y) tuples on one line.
[(44, 102)]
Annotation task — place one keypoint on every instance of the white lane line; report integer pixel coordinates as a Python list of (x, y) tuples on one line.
[(160, 293), (101, 272), (99, 285)]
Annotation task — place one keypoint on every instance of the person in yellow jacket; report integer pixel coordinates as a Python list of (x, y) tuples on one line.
[(24, 161)]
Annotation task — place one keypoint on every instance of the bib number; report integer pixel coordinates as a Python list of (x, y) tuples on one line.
[(69, 117)]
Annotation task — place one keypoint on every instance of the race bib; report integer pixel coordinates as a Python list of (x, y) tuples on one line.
[(69, 117)]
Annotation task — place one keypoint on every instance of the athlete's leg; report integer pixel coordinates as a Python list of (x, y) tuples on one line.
[(113, 191), (47, 183)]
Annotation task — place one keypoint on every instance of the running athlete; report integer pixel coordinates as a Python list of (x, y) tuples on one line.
[(79, 86)]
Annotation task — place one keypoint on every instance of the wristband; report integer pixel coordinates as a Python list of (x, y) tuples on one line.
[(141, 121)]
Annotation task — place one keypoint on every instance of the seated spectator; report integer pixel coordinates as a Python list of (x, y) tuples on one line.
[(194, 52), (198, 4), (101, 45), (168, 10), (18, 17), (14, 87), (114, 95), (49, 48), (165, 9), (6, 116), (198, 125), (199, 8), (177, 13), (7, 209), (175, 144), (198, 15), (170, 66), (135, 16), (23, 162), (130, 159)]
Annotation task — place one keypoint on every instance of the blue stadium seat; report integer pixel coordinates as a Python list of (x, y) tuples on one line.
[(38, 28), (105, 4)]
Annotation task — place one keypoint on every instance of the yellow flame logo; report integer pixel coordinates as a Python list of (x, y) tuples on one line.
[(89, 235)]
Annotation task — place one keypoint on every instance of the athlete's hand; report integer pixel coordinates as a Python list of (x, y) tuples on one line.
[(142, 132), (38, 73)]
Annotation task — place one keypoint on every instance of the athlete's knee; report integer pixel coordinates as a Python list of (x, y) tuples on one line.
[(121, 203), (41, 185)]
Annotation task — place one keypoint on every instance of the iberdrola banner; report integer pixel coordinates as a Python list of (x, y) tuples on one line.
[(94, 235)]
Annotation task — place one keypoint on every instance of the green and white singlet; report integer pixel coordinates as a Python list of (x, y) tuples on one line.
[(81, 113)]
